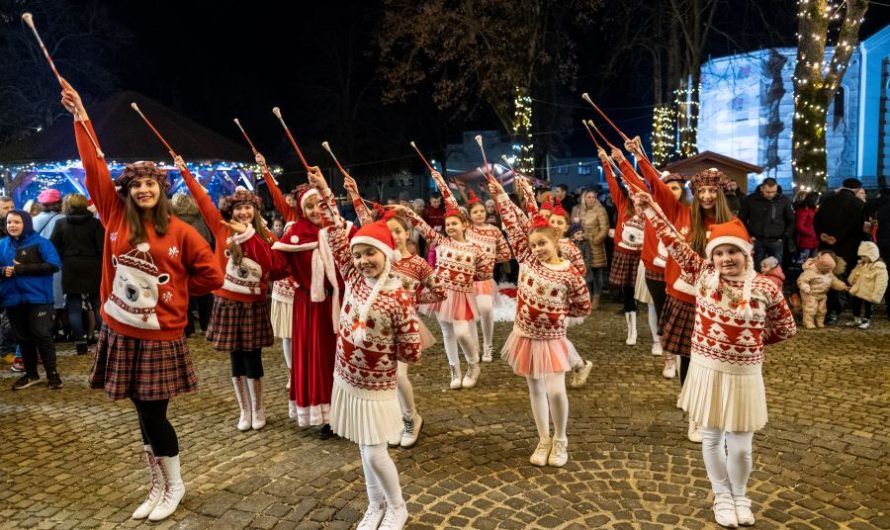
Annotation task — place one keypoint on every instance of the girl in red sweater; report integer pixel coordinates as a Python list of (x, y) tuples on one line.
[(239, 322), (151, 263)]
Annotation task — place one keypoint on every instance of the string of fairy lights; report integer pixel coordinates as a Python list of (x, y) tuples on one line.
[(663, 139), (523, 148)]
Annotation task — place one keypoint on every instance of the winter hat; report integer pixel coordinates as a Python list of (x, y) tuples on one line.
[(825, 263), (667, 176), (852, 184), (302, 193), (869, 250), (27, 223), (138, 170), (734, 233), (770, 263), (559, 210), (49, 196), (379, 236), (709, 177), (139, 259), (241, 196)]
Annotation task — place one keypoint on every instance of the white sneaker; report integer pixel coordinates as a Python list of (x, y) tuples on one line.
[(412, 430), (724, 511), (373, 516), (656, 348), (743, 511), (579, 375), (559, 454), (670, 367), (694, 432), (487, 354), (395, 518), (455, 376), (472, 376), (542, 453), (157, 485), (174, 489)]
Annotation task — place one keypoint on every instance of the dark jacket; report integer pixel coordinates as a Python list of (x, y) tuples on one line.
[(35, 260), (197, 222), (882, 214), (767, 218), (78, 238), (841, 216)]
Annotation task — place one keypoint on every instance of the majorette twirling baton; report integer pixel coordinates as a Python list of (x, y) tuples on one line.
[(135, 107), (588, 125), (29, 20), (425, 161), (253, 148), (277, 112), (599, 111)]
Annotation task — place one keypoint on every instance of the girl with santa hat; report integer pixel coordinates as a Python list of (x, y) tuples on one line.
[(239, 321), (377, 329), (737, 313), (152, 261)]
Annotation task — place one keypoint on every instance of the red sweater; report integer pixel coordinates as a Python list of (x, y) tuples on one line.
[(623, 243), (145, 289), (247, 281), (286, 210), (650, 255)]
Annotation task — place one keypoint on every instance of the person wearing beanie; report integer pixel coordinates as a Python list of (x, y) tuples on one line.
[(817, 279), (868, 283), (377, 329), (239, 321), (419, 278), (737, 313), (550, 291), (49, 202), (28, 261), (771, 268), (151, 263), (459, 263)]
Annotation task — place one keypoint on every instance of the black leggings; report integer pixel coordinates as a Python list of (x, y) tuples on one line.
[(657, 290), (627, 296), (683, 369), (247, 363), (156, 428)]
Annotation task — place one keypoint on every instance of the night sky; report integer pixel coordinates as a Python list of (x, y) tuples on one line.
[(214, 63)]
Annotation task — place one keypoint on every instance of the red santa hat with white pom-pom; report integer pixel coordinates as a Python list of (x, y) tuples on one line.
[(379, 236), (734, 233)]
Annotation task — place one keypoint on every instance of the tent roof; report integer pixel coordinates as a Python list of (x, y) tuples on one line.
[(709, 156), (124, 136)]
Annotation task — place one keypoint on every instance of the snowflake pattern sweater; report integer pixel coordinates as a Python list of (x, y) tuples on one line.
[(145, 288), (546, 295)]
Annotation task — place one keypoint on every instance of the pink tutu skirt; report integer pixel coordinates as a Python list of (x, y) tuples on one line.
[(484, 287), (535, 357), (456, 306), (426, 338)]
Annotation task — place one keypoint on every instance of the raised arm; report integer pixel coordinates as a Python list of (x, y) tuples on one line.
[(209, 212), (286, 210), (426, 231), (338, 235), (361, 209), (660, 191), (688, 260), (614, 189), (516, 235), (450, 200)]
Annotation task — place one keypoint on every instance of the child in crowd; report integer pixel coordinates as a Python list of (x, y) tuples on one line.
[(737, 313), (868, 282), (377, 329), (817, 279), (550, 290), (771, 268)]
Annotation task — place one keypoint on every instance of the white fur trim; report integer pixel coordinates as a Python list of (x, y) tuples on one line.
[(284, 247), (374, 242), (305, 197), (241, 238), (727, 240)]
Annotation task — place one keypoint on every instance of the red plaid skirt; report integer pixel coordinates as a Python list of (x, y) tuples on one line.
[(657, 276), (677, 323), (147, 370), (238, 325), (624, 268)]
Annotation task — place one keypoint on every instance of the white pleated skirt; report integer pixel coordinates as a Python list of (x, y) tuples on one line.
[(282, 315), (725, 396), (641, 291), (367, 417)]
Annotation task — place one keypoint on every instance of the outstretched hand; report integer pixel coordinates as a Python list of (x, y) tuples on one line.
[(495, 189), (350, 185), (261, 160), (634, 145), (617, 155), (236, 226), (316, 178), (180, 164), (71, 99), (642, 200)]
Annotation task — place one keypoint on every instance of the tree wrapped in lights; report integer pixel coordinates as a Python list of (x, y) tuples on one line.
[(662, 135), (523, 147), (817, 78)]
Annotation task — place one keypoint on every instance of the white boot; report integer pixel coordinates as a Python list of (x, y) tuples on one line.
[(580, 374), (174, 488), (157, 485), (373, 516), (394, 518), (243, 402), (487, 354), (258, 411), (455, 376), (472, 377), (631, 319), (656, 347)]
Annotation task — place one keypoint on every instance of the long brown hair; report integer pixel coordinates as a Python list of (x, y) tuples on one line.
[(722, 214), (159, 216), (260, 227)]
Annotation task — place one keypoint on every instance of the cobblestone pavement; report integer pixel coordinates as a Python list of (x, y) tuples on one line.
[(70, 458)]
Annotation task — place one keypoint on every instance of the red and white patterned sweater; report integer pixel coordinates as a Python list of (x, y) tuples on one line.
[(392, 333), (418, 277), (546, 295), (458, 263), (570, 251), (492, 242), (722, 335)]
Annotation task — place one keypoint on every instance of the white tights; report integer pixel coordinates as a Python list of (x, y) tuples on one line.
[(485, 305), (461, 332), (728, 460), (288, 355), (653, 324), (548, 398), (381, 475), (405, 391)]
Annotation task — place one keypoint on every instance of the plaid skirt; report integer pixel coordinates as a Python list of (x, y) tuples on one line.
[(657, 276), (624, 268), (677, 324), (238, 325), (147, 370)]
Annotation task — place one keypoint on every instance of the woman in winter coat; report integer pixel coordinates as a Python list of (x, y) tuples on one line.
[(807, 240), (28, 262), (594, 221), (78, 238)]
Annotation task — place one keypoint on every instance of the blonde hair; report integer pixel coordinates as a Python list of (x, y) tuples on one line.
[(74, 201)]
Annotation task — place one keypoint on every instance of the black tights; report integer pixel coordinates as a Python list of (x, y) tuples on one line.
[(156, 428), (657, 290), (683, 369), (247, 363), (627, 296)]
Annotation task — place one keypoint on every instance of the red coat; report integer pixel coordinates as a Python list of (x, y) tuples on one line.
[(806, 234)]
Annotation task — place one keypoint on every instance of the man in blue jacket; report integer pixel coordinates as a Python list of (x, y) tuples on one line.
[(27, 264)]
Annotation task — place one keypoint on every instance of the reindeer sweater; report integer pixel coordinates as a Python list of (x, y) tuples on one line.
[(146, 288)]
